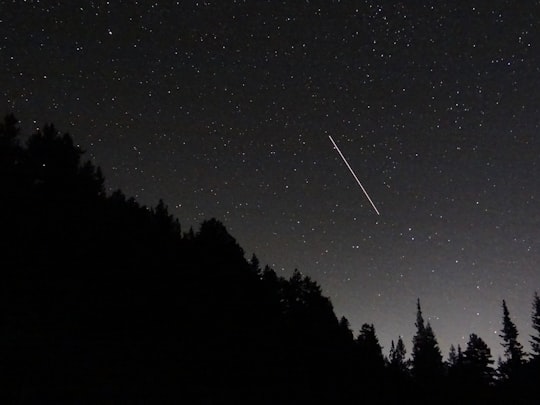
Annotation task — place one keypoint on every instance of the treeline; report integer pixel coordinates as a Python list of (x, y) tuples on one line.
[(103, 300)]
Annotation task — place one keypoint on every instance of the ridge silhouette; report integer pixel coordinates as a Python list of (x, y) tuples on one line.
[(104, 300)]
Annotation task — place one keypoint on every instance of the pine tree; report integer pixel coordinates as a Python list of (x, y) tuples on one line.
[(254, 264), (453, 357), (166, 222), (535, 342), (420, 330), (397, 359), (513, 350), (420, 326), (392, 350), (369, 351), (426, 355), (369, 343), (345, 329), (477, 362), (454, 364)]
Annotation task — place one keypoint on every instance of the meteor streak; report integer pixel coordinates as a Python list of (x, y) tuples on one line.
[(354, 175)]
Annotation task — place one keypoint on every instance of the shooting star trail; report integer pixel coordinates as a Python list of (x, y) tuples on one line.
[(354, 175)]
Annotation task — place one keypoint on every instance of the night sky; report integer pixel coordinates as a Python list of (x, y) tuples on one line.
[(224, 109)]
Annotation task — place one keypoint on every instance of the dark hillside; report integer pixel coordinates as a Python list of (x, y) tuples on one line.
[(103, 298)]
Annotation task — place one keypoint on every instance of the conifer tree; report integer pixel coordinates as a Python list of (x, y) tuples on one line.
[(345, 329), (397, 359), (426, 355), (535, 339), (454, 364), (477, 361), (369, 350), (369, 343), (513, 350), (255, 265), (453, 358)]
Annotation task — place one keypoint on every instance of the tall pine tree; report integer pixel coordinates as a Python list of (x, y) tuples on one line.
[(513, 350), (397, 360), (535, 339), (454, 365), (453, 358), (369, 349), (426, 356)]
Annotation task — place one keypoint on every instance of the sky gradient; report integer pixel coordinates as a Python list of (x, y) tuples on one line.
[(224, 109)]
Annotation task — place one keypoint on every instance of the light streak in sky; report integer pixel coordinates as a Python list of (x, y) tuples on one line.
[(354, 175)]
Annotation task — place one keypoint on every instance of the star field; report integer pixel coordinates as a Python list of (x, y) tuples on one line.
[(224, 108)]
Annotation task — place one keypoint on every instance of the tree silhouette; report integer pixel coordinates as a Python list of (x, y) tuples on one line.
[(513, 350), (455, 366), (427, 362), (345, 330), (397, 360), (535, 339), (255, 264), (369, 362), (477, 362), (369, 349), (455, 357), (166, 223)]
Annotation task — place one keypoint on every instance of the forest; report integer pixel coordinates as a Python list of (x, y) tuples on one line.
[(104, 300)]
